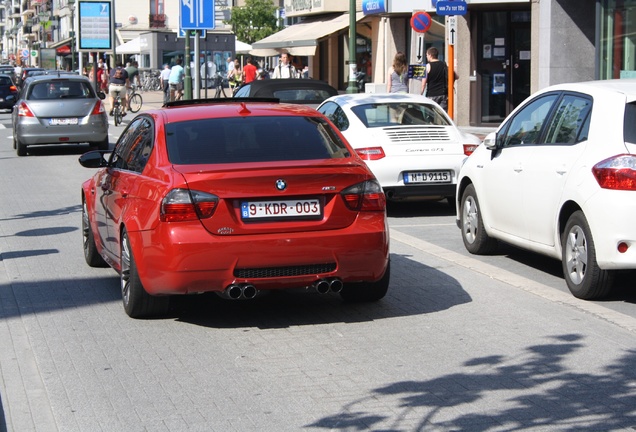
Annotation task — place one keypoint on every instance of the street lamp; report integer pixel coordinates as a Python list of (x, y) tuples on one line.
[(71, 33)]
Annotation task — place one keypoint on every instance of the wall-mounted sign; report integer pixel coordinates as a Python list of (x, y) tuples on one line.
[(95, 25), (421, 22), (373, 7)]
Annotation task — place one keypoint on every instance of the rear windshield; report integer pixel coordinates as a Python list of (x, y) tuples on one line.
[(394, 114), (60, 89), (252, 139), (314, 96), (5, 81)]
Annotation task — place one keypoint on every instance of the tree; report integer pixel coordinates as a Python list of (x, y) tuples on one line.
[(254, 21)]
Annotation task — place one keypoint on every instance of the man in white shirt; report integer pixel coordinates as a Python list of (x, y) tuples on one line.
[(284, 69), (230, 67)]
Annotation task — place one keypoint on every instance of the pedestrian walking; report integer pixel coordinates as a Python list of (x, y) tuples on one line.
[(249, 71), (175, 79), (398, 75), (165, 85), (284, 69), (436, 80)]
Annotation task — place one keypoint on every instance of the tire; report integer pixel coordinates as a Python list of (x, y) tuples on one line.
[(137, 302), (367, 291), (21, 149), (135, 103), (474, 235), (117, 116), (584, 278), (91, 255)]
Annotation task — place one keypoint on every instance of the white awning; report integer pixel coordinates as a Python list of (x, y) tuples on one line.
[(133, 46), (302, 38), (242, 47)]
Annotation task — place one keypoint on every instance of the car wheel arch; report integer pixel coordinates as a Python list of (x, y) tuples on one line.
[(567, 209)]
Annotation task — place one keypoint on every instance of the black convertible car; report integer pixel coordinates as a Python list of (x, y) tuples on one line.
[(297, 91)]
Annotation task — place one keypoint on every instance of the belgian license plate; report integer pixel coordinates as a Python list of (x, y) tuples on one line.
[(63, 121), (427, 177), (280, 209)]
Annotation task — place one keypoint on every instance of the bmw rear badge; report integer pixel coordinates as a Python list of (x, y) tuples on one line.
[(281, 185)]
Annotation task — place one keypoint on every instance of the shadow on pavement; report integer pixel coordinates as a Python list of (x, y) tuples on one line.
[(407, 295), (535, 390)]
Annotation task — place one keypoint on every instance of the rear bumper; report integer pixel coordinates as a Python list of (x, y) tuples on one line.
[(33, 132), (181, 259)]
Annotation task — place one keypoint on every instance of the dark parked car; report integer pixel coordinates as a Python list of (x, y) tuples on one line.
[(28, 72), (8, 92), (297, 91), (61, 109), (8, 70)]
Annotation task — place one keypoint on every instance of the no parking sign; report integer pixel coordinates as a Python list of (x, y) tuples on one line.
[(421, 22)]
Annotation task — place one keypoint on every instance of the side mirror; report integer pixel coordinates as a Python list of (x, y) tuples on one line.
[(93, 159), (101, 95), (490, 142)]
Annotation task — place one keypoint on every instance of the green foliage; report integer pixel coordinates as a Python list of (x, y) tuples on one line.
[(254, 21)]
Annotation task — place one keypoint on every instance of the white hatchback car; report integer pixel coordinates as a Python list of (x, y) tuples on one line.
[(410, 144), (558, 177)]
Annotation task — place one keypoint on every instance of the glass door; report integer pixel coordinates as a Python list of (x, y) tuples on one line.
[(503, 63)]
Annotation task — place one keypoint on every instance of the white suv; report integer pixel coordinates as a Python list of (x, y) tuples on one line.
[(558, 177)]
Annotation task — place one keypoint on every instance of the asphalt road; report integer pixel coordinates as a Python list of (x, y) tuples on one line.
[(460, 342)]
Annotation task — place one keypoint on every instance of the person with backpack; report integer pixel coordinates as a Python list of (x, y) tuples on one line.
[(117, 87)]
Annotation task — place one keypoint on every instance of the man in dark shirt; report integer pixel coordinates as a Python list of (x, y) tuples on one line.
[(436, 81), (118, 83)]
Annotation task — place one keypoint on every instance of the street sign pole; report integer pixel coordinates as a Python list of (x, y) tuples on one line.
[(452, 24), (187, 80)]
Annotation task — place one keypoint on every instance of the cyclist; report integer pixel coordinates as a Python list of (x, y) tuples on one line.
[(117, 87)]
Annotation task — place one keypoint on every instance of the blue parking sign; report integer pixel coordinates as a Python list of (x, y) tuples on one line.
[(196, 15)]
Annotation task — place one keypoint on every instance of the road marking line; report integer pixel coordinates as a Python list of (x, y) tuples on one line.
[(529, 285)]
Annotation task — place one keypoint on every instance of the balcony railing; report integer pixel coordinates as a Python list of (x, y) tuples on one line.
[(157, 20)]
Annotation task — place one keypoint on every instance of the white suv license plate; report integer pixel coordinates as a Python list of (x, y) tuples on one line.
[(427, 177), (63, 121), (280, 209)]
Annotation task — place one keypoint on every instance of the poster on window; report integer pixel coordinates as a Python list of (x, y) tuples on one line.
[(498, 83)]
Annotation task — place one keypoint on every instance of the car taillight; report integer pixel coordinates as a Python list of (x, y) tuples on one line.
[(469, 149), (365, 196), (182, 205), (370, 153), (617, 172), (24, 111), (13, 88), (98, 108)]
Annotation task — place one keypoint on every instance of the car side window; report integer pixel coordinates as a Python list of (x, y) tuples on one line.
[(569, 120), (526, 126), (336, 114), (141, 146), (122, 154)]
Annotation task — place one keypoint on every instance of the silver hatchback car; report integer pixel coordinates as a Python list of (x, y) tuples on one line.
[(59, 109)]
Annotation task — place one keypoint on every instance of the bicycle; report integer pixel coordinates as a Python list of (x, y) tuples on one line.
[(118, 111), (135, 101), (219, 82)]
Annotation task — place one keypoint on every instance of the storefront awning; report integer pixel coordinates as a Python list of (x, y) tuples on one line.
[(64, 50), (133, 46), (302, 38), (59, 43)]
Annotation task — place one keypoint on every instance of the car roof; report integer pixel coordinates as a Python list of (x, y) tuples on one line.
[(354, 99), (52, 77), (269, 85), (231, 107), (623, 86)]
